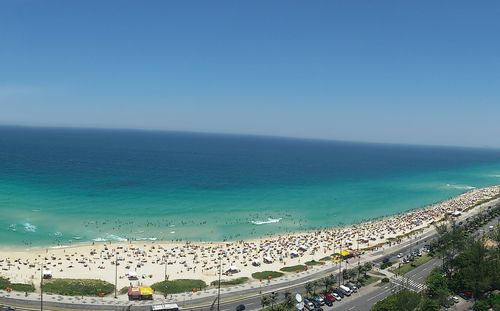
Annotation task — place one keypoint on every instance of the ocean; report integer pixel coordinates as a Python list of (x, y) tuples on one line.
[(62, 186)]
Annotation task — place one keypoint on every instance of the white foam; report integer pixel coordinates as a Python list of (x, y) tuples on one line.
[(460, 187), (110, 237), (172, 232), (29, 227), (147, 239), (268, 221), (58, 233), (494, 175)]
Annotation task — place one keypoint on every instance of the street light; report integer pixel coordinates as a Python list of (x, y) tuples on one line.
[(116, 271)]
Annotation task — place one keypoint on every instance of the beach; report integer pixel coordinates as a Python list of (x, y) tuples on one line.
[(199, 260)]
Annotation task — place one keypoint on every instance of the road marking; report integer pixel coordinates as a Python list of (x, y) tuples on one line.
[(377, 295)]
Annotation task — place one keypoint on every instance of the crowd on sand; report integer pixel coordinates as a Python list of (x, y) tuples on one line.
[(144, 262)]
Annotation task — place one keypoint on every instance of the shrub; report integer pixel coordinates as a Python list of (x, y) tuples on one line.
[(264, 275), (78, 287), (178, 286)]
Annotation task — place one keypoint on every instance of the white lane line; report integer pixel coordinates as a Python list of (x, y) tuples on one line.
[(377, 295)]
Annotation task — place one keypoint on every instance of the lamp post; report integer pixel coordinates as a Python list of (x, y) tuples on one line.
[(165, 259), (41, 287), (116, 271), (218, 290)]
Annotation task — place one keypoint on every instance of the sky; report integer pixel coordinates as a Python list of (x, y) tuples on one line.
[(417, 72)]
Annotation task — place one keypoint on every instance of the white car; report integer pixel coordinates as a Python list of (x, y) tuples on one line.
[(337, 297), (400, 255)]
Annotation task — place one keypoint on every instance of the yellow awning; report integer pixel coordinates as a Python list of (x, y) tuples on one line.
[(345, 253), (146, 291)]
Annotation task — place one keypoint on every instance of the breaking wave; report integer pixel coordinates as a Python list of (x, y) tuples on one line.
[(268, 221), (460, 187)]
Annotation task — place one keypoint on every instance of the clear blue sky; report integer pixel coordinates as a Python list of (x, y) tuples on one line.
[(424, 72)]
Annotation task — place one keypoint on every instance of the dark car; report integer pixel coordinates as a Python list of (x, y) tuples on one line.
[(319, 300), (309, 305), (338, 292), (240, 307)]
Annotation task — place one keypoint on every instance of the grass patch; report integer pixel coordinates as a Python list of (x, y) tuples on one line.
[(264, 275), (232, 282), (404, 268), (123, 291), (314, 263), (19, 287), (178, 286), (30, 288), (327, 258), (78, 287), (297, 268), (370, 280)]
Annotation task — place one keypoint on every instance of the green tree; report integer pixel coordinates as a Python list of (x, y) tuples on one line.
[(265, 301), (288, 300), (437, 286), (429, 305), (309, 288), (328, 281)]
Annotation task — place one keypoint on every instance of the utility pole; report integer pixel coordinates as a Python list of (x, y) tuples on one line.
[(340, 264), (116, 271), (166, 265), (218, 290), (41, 286)]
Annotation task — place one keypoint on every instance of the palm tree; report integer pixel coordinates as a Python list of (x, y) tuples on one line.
[(368, 266), (328, 282), (273, 298), (264, 301), (288, 302), (315, 286), (309, 288)]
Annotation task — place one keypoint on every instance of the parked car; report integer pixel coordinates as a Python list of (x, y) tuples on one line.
[(346, 290), (240, 307), (330, 297), (308, 304), (352, 287), (338, 292), (319, 300), (455, 299)]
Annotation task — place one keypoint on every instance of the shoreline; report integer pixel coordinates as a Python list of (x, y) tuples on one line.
[(21, 248), (199, 260)]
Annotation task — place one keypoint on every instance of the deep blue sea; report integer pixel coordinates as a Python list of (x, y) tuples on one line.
[(62, 186)]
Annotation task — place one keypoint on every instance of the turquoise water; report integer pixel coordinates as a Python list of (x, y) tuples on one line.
[(62, 186)]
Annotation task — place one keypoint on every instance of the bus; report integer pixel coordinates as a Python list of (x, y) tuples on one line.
[(165, 307)]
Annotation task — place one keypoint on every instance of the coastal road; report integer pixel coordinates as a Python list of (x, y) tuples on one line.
[(251, 297)]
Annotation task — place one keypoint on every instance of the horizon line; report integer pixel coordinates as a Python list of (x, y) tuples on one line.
[(259, 135)]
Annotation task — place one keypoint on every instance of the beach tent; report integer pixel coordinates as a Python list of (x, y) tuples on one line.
[(255, 263), (134, 293), (233, 269), (268, 259), (146, 293), (344, 253), (294, 254), (303, 248), (132, 275), (47, 274)]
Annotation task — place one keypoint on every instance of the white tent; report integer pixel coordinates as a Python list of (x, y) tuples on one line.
[(233, 269), (268, 259), (294, 254), (303, 248), (255, 263), (132, 275), (47, 274)]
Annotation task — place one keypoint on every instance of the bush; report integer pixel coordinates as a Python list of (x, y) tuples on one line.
[(178, 286), (22, 287), (264, 275), (314, 263), (385, 265), (5, 283), (78, 287), (233, 282), (385, 280), (297, 268)]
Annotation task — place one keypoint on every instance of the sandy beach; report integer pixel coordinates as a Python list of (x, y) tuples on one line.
[(189, 260)]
